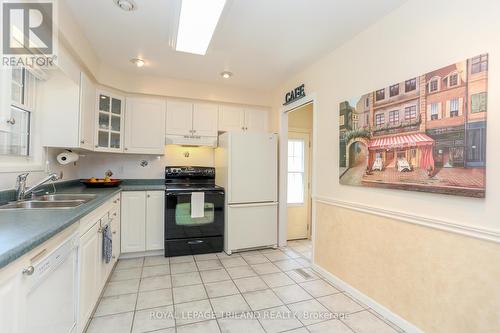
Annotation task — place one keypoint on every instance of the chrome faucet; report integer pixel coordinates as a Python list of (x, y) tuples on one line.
[(21, 190)]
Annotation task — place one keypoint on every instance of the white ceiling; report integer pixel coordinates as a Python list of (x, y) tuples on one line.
[(262, 42)]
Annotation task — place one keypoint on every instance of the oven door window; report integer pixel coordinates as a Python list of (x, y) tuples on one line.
[(183, 215)]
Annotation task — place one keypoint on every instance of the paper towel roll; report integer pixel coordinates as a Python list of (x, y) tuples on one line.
[(67, 157)]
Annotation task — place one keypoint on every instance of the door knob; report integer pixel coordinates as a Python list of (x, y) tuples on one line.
[(29, 270)]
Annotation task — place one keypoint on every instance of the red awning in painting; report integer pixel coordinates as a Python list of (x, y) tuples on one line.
[(401, 141)]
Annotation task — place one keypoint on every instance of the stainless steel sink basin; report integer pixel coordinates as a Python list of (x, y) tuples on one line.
[(51, 201), (41, 204), (65, 197)]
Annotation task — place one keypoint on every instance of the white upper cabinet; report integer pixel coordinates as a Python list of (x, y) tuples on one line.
[(109, 120), (205, 119), (256, 120), (191, 119), (67, 111), (179, 117), (237, 118), (231, 118), (145, 125), (87, 110)]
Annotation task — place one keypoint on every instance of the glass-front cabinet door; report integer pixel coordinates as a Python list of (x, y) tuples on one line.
[(109, 129)]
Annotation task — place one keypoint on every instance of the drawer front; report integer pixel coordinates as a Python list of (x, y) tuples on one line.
[(182, 247)]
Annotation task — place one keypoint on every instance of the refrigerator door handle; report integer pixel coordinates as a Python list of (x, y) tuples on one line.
[(253, 204)]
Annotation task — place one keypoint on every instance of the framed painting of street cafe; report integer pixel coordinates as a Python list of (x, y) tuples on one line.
[(427, 133)]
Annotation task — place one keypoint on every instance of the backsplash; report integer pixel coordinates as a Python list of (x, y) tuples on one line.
[(134, 166)]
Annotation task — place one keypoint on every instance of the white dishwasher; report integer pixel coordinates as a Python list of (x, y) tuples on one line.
[(51, 291)]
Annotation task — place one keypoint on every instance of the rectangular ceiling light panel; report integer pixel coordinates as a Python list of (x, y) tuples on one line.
[(197, 23)]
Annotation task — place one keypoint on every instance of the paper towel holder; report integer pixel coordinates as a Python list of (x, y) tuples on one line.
[(70, 151)]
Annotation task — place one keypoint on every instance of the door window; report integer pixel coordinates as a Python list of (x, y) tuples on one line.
[(296, 162)]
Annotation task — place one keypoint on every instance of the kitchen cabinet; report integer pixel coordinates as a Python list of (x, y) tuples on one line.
[(155, 208), (237, 118), (142, 216), (11, 297), (145, 125), (67, 111), (109, 121), (191, 119), (88, 271), (87, 111)]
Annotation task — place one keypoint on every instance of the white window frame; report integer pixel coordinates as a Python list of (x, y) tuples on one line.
[(436, 79), (32, 162), (298, 204)]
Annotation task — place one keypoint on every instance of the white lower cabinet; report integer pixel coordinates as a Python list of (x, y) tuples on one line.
[(93, 270), (142, 221), (89, 262)]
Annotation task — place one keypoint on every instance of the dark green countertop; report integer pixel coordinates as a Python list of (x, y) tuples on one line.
[(23, 229)]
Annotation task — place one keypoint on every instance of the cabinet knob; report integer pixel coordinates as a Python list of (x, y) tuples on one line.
[(149, 195), (114, 232), (243, 128), (125, 148), (11, 121), (96, 146), (114, 214), (114, 257), (29, 270)]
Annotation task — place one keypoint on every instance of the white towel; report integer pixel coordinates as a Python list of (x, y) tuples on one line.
[(197, 204)]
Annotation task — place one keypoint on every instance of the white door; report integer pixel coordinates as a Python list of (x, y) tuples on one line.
[(298, 186), (179, 118), (87, 109), (205, 119), (145, 125), (231, 118), (256, 120), (133, 221), (109, 122), (155, 210), (253, 167), (251, 225), (11, 299), (88, 270)]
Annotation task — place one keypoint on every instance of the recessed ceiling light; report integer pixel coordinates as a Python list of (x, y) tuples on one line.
[(126, 5), (197, 24), (226, 74), (138, 62)]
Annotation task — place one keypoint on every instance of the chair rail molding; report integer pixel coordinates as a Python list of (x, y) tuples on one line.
[(465, 230)]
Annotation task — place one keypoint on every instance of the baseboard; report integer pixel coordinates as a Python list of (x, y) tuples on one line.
[(131, 255), (379, 308)]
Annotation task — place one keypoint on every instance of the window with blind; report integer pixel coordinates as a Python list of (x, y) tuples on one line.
[(454, 107), (296, 163), (15, 130)]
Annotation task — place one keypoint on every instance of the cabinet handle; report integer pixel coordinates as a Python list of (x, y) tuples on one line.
[(11, 121), (29, 270), (114, 232), (114, 214)]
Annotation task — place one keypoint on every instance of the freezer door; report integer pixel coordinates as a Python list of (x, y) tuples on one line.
[(253, 168), (251, 225)]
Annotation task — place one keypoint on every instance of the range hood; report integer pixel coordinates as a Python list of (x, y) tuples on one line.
[(191, 140)]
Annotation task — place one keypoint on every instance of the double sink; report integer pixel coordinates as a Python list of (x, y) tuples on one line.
[(51, 201)]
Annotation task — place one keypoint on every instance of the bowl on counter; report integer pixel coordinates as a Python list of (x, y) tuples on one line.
[(100, 182)]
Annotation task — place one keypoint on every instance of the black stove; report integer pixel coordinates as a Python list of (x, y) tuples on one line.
[(187, 232)]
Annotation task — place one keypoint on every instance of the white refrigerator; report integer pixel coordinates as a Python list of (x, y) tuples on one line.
[(247, 167)]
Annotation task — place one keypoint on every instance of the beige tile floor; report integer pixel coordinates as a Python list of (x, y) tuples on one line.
[(262, 291)]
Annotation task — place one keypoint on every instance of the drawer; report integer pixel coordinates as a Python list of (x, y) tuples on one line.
[(182, 247)]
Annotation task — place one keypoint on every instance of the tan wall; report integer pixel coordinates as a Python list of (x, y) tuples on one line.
[(301, 118), (439, 281)]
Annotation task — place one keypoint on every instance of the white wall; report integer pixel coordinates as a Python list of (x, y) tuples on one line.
[(418, 37), (8, 179), (128, 165)]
